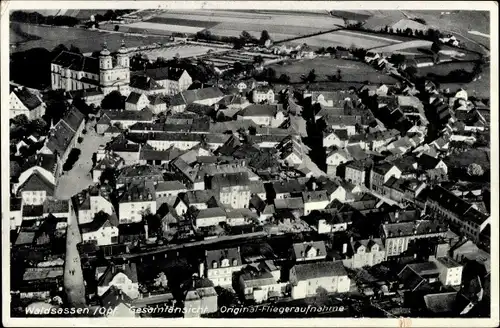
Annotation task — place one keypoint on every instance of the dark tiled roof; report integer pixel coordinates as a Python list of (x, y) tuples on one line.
[(99, 221), (77, 62), (428, 162), (441, 302), (156, 100), (160, 155), (144, 83), (37, 182), (300, 249), (61, 139), (419, 227), (113, 297), (74, 118), (129, 115), (46, 161), (29, 99), (218, 255), (319, 270), (259, 110), (448, 200), (130, 270), (288, 186), (165, 73), (133, 98)]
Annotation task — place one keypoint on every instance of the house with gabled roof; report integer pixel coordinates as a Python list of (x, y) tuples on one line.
[(144, 84), (381, 173), (337, 138), (102, 230), (136, 101), (173, 79), (36, 189), (309, 279), (121, 276), (308, 251), (64, 135), (25, 102), (263, 93), (263, 114), (116, 303), (204, 96), (220, 264), (364, 252)]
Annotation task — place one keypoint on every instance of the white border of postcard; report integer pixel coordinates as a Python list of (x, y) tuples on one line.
[(491, 6)]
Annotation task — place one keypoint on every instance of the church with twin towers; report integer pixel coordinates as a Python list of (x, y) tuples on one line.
[(73, 71)]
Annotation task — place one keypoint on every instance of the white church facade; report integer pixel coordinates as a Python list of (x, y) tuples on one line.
[(73, 71)]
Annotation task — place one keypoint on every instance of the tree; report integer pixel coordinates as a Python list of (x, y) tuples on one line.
[(39, 126), (339, 74), (117, 27), (108, 176), (58, 49), (397, 59), (246, 37), (264, 36), (238, 67), (113, 100), (436, 47), (74, 49), (475, 170), (285, 79), (310, 77)]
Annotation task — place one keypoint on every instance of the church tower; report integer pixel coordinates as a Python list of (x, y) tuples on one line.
[(115, 77), (122, 58), (105, 66)]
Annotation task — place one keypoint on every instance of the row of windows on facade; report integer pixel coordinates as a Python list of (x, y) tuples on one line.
[(224, 263)]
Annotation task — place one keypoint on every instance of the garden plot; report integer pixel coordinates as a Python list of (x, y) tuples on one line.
[(183, 51)]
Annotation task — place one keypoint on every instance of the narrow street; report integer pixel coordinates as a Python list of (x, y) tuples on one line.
[(73, 275)]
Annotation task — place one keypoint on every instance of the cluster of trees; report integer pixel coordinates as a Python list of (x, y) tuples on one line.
[(111, 15), (31, 68), (72, 158), (270, 75), (37, 18), (238, 42), (430, 34), (113, 100), (21, 127)]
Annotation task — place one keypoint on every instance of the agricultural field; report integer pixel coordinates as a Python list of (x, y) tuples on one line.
[(409, 46), (347, 39), (183, 51), (280, 25), (351, 71), (446, 68), (469, 27), (480, 87), (85, 40)]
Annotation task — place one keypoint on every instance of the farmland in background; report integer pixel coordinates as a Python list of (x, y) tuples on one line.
[(280, 25), (347, 39), (183, 51), (446, 68), (480, 87), (85, 40), (351, 71)]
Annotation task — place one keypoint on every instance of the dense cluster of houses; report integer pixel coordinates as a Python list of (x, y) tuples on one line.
[(234, 162)]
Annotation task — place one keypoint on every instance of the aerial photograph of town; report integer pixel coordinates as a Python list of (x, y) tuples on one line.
[(171, 163)]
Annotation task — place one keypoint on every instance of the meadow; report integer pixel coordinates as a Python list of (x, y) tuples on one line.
[(347, 39), (351, 71)]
